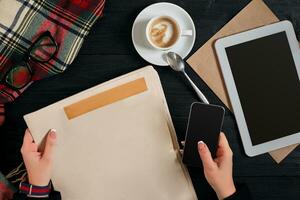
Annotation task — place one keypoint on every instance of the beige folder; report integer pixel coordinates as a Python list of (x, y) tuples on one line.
[(115, 141), (205, 62)]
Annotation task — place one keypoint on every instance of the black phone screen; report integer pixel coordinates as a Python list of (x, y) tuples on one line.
[(205, 122)]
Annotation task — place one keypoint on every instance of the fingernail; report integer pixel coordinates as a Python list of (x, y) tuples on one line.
[(201, 145), (53, 133)]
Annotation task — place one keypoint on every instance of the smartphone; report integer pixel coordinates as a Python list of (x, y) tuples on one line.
[(204, 124)]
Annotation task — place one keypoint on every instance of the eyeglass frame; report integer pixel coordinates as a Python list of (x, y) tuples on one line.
[(27, 57)]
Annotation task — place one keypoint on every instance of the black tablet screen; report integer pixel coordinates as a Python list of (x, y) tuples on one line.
[(268, 86)]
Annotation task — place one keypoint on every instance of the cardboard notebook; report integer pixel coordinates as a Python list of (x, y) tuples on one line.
[(205, 62), (115, 141)]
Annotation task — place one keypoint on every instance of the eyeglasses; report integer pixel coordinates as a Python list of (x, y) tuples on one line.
[(42, 50)]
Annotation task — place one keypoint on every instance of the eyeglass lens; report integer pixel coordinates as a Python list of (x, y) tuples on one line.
[(44, 49), (18, 77)]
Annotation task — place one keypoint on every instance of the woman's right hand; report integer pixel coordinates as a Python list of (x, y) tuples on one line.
[(218, 171)]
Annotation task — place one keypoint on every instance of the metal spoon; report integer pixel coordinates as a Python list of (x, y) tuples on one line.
[(177, 64)]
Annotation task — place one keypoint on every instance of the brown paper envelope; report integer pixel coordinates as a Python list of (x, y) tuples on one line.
[(205, 62), (130, 152)]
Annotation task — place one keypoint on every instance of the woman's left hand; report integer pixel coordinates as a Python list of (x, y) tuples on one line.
[(38, 164)]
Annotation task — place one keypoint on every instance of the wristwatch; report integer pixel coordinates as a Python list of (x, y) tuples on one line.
[(35, 191)]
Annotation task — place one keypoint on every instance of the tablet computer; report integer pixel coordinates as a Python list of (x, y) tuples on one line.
[(261, 70)]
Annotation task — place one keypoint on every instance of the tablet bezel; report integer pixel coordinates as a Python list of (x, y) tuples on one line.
[(220, 46)]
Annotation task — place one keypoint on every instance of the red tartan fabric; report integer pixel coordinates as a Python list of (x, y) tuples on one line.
[(2, 116), (68, 21), (5, 192), (6, 189)]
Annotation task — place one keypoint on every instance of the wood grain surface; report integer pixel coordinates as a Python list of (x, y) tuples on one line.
[(108, 52)]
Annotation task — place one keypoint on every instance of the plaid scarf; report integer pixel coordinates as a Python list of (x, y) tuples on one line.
[(6, 189), (2, 110), (22, 21)]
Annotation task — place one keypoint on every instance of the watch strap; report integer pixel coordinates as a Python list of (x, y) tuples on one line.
[(35, 191)]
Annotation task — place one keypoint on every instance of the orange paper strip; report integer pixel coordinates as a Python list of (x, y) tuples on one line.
[(105, 98)]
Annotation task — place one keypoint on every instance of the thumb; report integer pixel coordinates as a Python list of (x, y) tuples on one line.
[(27, 140), (224, 146), (223, 142), (50, 144), (205, 155)]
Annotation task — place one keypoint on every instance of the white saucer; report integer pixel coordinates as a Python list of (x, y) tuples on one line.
[(150, 54)]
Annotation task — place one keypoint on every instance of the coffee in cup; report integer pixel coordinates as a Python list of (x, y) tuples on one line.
[(163, 32)]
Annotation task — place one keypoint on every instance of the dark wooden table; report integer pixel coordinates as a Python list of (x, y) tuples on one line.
[(108, 52)]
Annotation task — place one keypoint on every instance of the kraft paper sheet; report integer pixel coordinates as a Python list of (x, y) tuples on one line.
[(205, 62)]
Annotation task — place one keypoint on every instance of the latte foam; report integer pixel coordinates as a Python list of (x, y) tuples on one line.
[(163, 32)]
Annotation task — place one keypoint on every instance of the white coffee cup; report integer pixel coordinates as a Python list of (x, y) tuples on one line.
[(163, 32)]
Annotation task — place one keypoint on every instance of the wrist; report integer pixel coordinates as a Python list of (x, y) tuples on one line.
[(38, 182), (226, 192)]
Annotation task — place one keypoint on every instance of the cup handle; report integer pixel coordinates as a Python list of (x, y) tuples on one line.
[(187, 33)]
